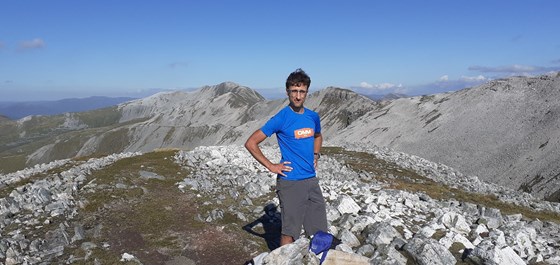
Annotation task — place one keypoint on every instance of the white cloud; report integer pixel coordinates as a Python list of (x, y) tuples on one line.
[(36, 43), (477, 78), (382, 86), (444, 78), (365, 85)]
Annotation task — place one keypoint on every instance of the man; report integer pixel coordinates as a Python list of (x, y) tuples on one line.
[(298, 131)]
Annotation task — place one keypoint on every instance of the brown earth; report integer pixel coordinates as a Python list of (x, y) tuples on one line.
[(154, 221)]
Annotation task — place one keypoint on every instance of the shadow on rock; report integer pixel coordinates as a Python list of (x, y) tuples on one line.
[(272, 226)]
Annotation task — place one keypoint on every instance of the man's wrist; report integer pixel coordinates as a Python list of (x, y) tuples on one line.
[(317, 155)]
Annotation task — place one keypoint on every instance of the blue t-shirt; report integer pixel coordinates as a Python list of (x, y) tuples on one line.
[(296, 137)]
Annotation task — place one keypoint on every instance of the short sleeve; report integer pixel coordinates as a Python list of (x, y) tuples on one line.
[(271, 126), (317, 123)]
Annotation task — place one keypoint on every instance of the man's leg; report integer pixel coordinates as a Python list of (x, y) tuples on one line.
[(285, 239), (316, 215), (293, 197)]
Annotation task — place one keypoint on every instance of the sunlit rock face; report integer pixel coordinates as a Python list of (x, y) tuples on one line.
[(505, 131)]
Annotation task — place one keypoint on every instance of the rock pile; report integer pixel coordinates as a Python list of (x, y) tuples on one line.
[(39, 206), (386, 226), (32, 206), (453, 178)]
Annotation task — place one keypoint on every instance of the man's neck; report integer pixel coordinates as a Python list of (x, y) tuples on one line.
[(297, 110)]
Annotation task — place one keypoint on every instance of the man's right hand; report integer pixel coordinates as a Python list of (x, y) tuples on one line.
[(280, 168), (252, 146)]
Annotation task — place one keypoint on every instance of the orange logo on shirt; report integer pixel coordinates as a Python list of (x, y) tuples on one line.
[(303, 133)]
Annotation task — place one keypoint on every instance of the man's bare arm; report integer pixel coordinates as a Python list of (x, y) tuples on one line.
[(317, 144), (252, 146)]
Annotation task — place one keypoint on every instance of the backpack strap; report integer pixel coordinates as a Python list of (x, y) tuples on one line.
[(323, 256)]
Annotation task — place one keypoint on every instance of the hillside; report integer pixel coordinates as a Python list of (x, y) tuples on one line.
[(505, 131)]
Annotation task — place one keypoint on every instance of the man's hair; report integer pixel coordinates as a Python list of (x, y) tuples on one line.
[(297, 78)]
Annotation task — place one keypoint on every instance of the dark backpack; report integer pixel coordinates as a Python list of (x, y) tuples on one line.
[(321, 242)]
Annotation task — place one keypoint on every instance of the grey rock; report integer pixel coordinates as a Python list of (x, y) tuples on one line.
[(429, 252), (366, 250), (455, 221), (79, 233), (150, 175), (491, 217), (488, 253), (379, 234), (349, 238), (291, 254)]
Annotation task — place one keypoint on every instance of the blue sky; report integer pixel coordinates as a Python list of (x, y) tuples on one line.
[(61, 49)]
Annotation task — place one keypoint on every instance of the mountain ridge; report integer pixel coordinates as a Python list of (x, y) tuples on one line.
[(503, 131), (18, 110), (439, 127)]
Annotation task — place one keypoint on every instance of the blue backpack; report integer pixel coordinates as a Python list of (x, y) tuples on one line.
[(321, 242)]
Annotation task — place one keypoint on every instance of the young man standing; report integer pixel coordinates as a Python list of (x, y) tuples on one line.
[(298, 131)]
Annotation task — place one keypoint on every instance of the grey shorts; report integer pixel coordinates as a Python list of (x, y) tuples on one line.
[(302, 204)]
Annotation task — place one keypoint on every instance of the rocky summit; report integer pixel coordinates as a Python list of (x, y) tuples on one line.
[(387, 225), (386, 207)]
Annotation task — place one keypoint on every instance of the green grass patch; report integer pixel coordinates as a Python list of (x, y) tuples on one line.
[(100, 117), (12, 163)]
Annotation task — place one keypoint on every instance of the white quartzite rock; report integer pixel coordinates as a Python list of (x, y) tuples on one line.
[(487, 253), (290, 254), (345, 204), (427, 251), (455, 221)]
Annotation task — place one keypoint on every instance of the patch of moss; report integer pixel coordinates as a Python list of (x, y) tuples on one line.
[(439, 234)]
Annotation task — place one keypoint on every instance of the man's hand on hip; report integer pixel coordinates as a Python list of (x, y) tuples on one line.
[(280, 168)]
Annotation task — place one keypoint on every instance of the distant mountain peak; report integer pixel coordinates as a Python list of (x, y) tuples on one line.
[(231, 87), (340, 93), (223, 87)]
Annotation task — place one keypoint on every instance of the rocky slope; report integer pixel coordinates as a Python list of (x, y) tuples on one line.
[(506, 131), (170, 206)]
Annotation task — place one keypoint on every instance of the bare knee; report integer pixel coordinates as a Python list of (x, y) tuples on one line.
[(285, 239)]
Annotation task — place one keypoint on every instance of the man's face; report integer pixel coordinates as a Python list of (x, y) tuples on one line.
[(297, 94)]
